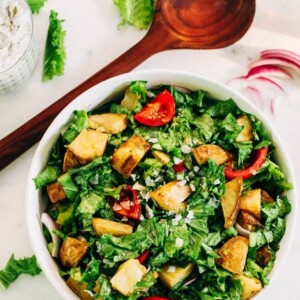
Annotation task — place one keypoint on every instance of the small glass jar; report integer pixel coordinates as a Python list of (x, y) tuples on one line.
[(21, 66)]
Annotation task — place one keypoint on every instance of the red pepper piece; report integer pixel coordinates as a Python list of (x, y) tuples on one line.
[(260, 158), (144, 256), (180, 167)]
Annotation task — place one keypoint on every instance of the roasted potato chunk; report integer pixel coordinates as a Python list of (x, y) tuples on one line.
[(251, 202), (231, 200), (102, 226), (233, 254), (88, 145), (55, 192), (250, 286), (214, 152), (128, 274), (171, 278), (109, 122), (246, 135), (70, 161), (130, 153), (248, 221), (266, 198), (161, 156), (171, 195), (130, 100), (72, 251), (79, 289), (263, 256)]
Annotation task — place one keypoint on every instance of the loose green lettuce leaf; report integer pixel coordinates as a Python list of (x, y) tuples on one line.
[(244, 151), (222, 108), (106, 292), (177, 240), (79, 123), (138, 13), (36, 5), (123, 248), (90, 204), (49, 175), (206, 127), (68, 185), (55, 52), (15, 267)]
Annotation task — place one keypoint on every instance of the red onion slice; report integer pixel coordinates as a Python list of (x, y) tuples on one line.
[(256, 96), (281, 53), (267, 70), (241, 230), (276, 61), (51, 225)]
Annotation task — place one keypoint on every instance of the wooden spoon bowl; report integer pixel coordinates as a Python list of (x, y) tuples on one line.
[(177, 24)]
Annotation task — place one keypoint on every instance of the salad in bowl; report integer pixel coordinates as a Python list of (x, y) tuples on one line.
[(173, 190)]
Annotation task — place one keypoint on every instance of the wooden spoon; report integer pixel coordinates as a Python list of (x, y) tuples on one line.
[(177, 24)]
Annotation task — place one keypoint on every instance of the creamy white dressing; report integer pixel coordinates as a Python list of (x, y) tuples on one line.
[(15, 31)]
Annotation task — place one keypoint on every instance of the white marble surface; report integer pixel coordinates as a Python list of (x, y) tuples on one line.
[(93, 40)]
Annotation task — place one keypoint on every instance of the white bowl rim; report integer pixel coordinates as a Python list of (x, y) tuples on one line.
[(44, 259)]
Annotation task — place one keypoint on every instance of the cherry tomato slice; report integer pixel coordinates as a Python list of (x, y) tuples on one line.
[(128, 205), (143, 257), (158, 112), (260, 158)]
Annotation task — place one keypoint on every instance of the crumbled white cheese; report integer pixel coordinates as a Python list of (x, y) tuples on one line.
[(187, 220), (149, 212), (149, 181), (217, 181), (190, 215), (192, 187), (124, 219), (138, 187), (153, 140), (186, 149), (175, 222), (157, 147), (108, 262), (181, 183), (15, 31), (178, 217), (178, 242), (171, 269), (133, 176), (196, 168), (180, 176), (177, 160)]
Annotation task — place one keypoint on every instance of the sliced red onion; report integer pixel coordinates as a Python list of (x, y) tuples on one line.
[(267, 70), (182, 89), (190, 281), (241, 230), (277, 61), (275, 104), (51, 225), (281, 53), (256, 96)]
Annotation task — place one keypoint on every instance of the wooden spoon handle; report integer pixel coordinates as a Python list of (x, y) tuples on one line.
[(24, 137)]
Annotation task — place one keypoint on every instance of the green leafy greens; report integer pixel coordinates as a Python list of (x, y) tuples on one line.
[(138, 13), (173, 239), (36, 5), (15, 267), (55, 53)]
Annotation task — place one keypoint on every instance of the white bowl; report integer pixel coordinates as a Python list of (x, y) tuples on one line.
[(106, 91)]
